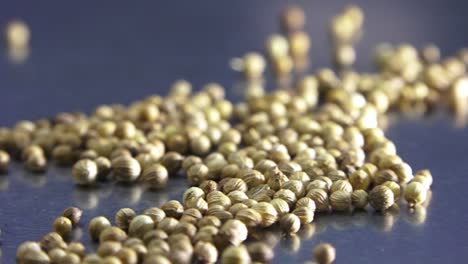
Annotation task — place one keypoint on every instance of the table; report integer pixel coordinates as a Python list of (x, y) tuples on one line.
[(88, 53)]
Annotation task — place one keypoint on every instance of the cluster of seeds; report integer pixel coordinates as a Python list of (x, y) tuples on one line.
[(277, 158)]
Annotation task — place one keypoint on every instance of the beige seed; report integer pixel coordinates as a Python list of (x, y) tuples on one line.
[(290, 223), (112, 234), (359, 199), (205, 252), (415, 193), (395, 187), (17, 34), (340, 200), (85, 172), (97, 225), (249, 217), (63, 226), (324, 253), (268, 213), (320, 197), (260, 252), (305, 214), (235, 255), (4, 161)]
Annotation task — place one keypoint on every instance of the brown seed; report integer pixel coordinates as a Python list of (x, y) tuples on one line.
[(172, 161), (126, 169), (173, 208), (324, 253), (290, 223), (123, 217), (155, 176), (52, 240), (292, 19), (73, 213), (381, 198)]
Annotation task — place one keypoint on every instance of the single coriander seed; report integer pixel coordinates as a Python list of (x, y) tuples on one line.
[(290, 223), (324, 253), (63, 226), (73, 213), (85, 172), (123, 217), (381, 198)]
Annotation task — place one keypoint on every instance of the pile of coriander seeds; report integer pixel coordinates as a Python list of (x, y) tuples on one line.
[(279, 158)]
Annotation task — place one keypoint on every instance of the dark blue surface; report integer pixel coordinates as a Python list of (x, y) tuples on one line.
[(88, 53)]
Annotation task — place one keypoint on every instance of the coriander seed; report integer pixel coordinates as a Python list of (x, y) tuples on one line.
[(123, 217), (62, 226), (290, 223), (97, 225), (381, 198), (292, 19), (235, 255), (4, 161), (85, 172), (155, 176), (36, 163), (305, 214), (340, 200), (415, 193), (73, 213), (205, 252), (126, 169), (260, 252), (324, 253), (140, 225), (17, 34)]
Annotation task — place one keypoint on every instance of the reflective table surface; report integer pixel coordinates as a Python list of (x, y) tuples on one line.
[(90, 53)]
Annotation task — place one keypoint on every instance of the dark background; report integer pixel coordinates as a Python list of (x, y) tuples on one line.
[(86, 53)]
